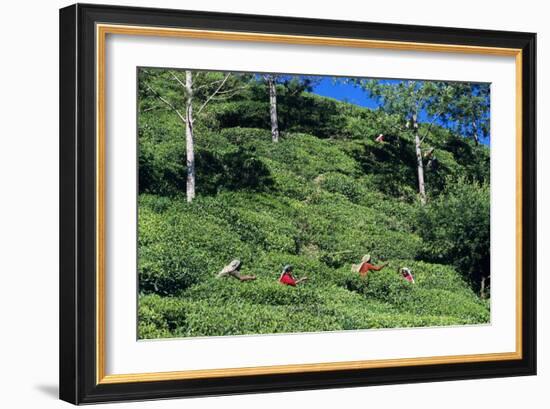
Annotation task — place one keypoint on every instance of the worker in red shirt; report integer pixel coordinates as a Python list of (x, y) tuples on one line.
[(287, 278), (406, 274), (366, 266)]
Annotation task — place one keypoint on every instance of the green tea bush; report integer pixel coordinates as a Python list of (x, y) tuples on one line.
[(336, 225), (382, 300), (345, 185), (308, 156), (183, 244), (160, 317), (287, 183), (265, 290), (251, 138)]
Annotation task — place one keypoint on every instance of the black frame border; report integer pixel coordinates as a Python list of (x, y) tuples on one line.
[(77, 253)]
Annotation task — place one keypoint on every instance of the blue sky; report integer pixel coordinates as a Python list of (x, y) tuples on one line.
[(327, 87), (341, 91), (344, 92)]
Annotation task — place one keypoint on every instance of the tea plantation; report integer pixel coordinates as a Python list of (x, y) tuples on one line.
[(319, 199)]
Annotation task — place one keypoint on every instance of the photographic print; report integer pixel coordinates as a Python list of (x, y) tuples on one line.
[(282, 203)]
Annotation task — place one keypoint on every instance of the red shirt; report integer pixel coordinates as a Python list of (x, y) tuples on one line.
[(366, 267), (287, 279), (408, 277)]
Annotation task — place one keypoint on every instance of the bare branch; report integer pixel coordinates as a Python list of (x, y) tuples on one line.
[(207, 85), (151, 108), (177, 79), (227, 95), (213, 94), (430, 126), (178, 113), (233, 91)]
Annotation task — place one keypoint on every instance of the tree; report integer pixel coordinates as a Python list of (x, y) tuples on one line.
[(271, 80), (181, 94), (408, 99), (452, 103), (469, 113), (189, 136), (455, 229), (291, 85)]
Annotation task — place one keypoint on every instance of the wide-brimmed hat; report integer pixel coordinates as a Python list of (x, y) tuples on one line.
[(366, 258), (234, 265)]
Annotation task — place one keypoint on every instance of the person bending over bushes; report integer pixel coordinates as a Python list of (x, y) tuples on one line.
[(406, 274), (287, 278), (365, 266), (233, 269)]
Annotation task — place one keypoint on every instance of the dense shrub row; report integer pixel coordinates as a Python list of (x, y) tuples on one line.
[(224, 307)]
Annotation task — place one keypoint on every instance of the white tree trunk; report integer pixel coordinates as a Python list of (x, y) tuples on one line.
[(273, 109), (476, 136), (482, 289), (419, 162), (189, 141)]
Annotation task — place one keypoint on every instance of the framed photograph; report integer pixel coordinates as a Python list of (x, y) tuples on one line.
[(256, 203)]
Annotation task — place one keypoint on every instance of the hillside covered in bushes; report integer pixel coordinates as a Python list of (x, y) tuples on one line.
[(319, 198)]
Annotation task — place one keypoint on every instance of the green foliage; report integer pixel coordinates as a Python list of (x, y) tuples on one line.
[(341, 301), (319, 199), (455, 228), (161, 154), (345, 185), (462, 107), (182, 246), (159, 317)]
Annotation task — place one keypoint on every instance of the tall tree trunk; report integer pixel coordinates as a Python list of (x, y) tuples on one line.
[(482, 289), (189, 141), (419, 161), (273, 108), (476, 136)]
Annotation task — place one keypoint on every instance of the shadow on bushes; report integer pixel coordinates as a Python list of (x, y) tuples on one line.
[(238, 170), (393, 163)]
